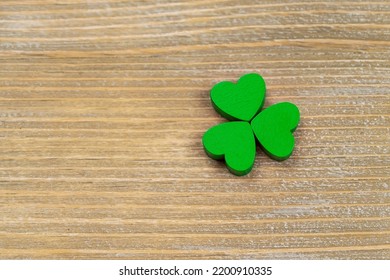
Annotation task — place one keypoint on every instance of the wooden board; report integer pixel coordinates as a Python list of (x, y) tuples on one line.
[(103, 105)]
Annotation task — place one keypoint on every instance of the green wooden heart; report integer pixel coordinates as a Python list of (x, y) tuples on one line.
[(273, 128), (240, 101), (233, 141)]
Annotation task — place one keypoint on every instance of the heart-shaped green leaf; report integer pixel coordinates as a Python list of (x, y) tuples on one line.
[(240, 101), (233, 141), (273, 128)]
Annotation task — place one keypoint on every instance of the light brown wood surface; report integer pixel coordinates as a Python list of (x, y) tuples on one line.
[(103, 105)]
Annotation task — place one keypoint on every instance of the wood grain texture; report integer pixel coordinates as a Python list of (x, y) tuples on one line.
[(103, 105)]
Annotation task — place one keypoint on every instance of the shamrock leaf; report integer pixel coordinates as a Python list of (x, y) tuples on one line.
[(233, 141), (273, 128), (241, 101)]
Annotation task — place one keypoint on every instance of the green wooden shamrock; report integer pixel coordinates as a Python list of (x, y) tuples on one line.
[(235, 141)]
